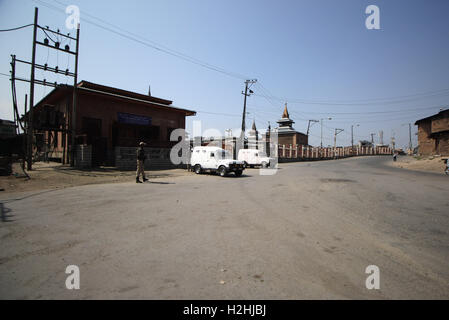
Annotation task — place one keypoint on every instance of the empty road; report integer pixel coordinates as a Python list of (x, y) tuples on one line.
[(307, 232)]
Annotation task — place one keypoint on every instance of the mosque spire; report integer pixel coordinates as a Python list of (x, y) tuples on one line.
[(285, 114)]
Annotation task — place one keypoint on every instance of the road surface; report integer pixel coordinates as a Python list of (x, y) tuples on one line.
[(308, 232)]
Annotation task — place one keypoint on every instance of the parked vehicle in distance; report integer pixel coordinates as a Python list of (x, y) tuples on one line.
[(215, 159), (254, 157)]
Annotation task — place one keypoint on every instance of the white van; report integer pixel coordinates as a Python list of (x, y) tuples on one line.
[(215, 159), (254, 157)]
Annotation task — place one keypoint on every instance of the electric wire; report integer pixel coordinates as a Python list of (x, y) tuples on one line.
[(17, 28)]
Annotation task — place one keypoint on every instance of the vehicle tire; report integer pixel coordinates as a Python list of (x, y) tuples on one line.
[(264, 164), (222, 171), (197, 169), (251, 166), (238, 173)]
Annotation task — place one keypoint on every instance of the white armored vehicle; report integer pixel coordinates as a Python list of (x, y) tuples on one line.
[(215, 159)]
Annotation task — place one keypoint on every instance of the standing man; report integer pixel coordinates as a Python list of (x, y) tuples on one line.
[(141, 163)]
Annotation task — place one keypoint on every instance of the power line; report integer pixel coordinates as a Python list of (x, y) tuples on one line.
[(374, 113), (219, 113), (379, 101), (13, 29), (151, 44), (265, 92)]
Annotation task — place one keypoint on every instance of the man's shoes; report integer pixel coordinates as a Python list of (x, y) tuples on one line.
[(145, 179), (138, 181)]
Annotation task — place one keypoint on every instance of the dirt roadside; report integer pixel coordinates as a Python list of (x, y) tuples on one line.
[(429, 164), (53, 175)]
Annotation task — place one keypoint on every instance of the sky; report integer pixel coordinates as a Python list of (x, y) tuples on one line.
[(315, 55)]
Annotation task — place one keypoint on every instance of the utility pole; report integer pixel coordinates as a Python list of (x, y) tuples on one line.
[(337, 131), (410, 137), (268, 140), (32, 80), (372, 138), (393, 143), (321, 144), (30, 115), (25, 133), (352, 138), (308, 126), (248, 84), (75, 79)]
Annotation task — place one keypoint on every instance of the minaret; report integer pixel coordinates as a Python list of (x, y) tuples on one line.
[(253, 137), (285, 123)]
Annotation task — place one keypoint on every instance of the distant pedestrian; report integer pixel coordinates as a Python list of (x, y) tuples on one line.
[(141, 163), (395, 155), (446, 161)]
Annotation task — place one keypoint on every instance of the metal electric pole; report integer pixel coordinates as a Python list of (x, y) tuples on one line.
[(30, 115), (75, 77), (321, 144), (352, 138), (372, 138), (393, 142), (248, 84), (66, 127), (337, 131), (308, 126), (410, 137)]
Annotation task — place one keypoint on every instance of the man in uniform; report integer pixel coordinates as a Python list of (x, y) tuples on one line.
[(140, 163)]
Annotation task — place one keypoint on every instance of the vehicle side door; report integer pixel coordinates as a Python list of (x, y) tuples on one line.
[(212, 162)]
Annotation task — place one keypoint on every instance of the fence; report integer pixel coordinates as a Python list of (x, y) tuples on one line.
[(300, 152)]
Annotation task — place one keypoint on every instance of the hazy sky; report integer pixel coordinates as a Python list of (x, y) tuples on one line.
[(316, 55)]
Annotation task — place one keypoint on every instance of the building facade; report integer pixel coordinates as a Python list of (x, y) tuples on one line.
[(433, 134), (110, 123)]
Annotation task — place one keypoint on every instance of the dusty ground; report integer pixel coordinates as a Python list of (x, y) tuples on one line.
[(53, 175), (430, 164), (308, 232)]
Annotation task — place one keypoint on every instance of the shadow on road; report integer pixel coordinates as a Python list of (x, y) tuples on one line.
[(158, 182), (4, 213)]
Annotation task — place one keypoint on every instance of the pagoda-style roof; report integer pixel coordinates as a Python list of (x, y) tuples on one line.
[(285, 114), (285, 123)]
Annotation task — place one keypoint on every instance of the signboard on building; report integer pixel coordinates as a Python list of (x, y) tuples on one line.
[(133, 119)]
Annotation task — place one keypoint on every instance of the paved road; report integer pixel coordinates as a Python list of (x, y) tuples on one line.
[(307, 232)]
